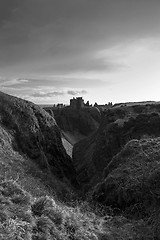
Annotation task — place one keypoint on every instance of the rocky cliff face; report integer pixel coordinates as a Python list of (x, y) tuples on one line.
[(35, 133), (77, 124), (92, 155)]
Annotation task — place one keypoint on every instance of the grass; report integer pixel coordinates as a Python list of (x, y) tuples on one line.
[(43, 218), (27, 173), (30, 209)]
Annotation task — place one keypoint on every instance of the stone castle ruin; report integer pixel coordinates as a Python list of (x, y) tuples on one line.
[(77, 103)]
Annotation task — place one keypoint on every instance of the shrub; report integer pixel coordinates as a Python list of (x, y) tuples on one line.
[(41, 204), (45, 219), (11, 190)]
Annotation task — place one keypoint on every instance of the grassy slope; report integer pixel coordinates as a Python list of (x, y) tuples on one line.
[(30, 208), (20, 168), (36, 134), (23, 216), (119, 125)]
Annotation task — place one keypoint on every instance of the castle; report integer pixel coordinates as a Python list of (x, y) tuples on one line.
[(77, 103)]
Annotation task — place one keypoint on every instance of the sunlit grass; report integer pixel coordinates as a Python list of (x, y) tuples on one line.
[(43, 218)]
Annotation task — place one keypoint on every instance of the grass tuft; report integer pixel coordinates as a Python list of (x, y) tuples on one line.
[(43, 218)]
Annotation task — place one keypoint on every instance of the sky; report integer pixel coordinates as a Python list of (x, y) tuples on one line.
[(102, 50)]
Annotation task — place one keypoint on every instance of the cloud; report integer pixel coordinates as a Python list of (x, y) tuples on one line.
[(5, 82), (73, 93), (63, 36), (52, 82), (12, 82), (48, 94), (41, 94), (86, 63), (23, 80), (63, 39)]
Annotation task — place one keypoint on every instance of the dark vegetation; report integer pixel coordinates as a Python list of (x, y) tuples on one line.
[(111, 190), (131, 183), (83, 121), (36, 134), (23, 216), (131, 179), (114, 132)]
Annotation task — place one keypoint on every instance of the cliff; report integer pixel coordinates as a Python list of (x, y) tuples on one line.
[(31, 200), (131, 180), (32, 131), (93, 154), (76, 124)]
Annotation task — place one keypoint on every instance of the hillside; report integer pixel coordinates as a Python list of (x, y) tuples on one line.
[(32, 191), (76, 124), (131, 179), (119, 126), (25, 217), (30, 130)]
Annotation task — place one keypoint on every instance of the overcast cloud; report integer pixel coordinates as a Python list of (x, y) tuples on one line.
[(71, 44)]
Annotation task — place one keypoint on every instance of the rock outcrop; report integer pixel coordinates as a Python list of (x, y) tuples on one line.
[(35, 133), (76, 124)]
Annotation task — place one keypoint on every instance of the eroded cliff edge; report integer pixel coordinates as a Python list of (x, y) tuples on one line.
[(35, 133), (120, 125)]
